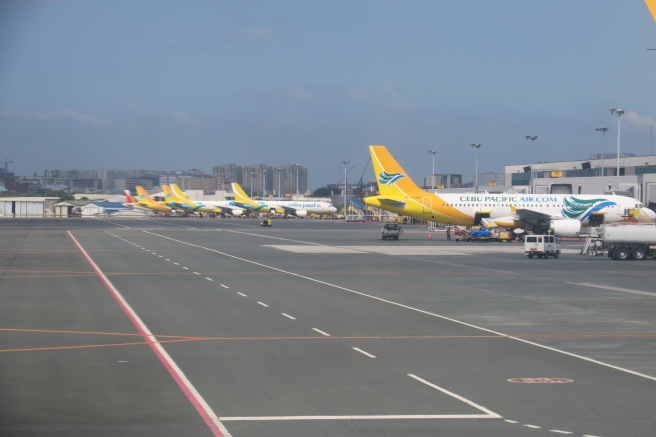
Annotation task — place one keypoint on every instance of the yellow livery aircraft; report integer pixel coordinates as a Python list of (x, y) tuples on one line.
[(144, 201), (562, 214), (175, 196), (298, 208)]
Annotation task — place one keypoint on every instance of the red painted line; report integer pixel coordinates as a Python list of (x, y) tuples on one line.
[(203, 409)]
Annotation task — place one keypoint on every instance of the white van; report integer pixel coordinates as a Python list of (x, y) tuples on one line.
[(541, 246)]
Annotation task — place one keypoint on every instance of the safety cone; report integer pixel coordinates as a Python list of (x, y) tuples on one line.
[(429, 236)]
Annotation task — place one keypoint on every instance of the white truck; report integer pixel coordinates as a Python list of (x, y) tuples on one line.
[(542, 246), (622, 241), (391, 231)]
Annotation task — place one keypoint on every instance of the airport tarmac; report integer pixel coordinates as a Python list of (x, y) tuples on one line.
[(210, 327)]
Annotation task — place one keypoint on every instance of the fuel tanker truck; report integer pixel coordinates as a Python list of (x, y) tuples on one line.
[(622, 241)]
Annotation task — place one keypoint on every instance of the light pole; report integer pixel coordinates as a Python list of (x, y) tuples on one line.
[(530, 180), (476, 146), (433, 152), (619, 113), (252, 175), (298, 166), (263, 182), (279, 177), (345, 164), (603, 131)]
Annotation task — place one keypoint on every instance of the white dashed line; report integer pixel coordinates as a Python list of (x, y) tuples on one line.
[(288, 316), (511, 421), (241, 294), (557, 431), (210, 279), (176, 264), (364, 353), (321, 332), (224, 286), (263, 304), (533, 426), (196, 273), (186, 268)]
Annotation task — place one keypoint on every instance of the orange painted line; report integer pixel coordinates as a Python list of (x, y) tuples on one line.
[(51, 331), (90, 346)]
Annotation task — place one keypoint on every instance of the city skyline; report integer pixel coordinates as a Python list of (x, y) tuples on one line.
[(316, 83)]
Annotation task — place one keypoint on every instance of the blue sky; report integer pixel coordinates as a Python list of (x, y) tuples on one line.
[(168, 84)]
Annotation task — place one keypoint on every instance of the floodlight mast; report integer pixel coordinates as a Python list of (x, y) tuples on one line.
[(476, 146), (532, 138), (603, 131), (619, 112), (433, 152), (345, 163)]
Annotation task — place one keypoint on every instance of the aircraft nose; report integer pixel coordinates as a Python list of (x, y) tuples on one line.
[(646, 212)]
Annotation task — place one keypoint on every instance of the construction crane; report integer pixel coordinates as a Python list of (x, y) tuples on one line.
[(7, 162)]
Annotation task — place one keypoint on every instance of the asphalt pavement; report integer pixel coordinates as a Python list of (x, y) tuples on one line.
[(202, 327)]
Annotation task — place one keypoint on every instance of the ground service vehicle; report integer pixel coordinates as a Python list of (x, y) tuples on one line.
[(622, 241), (391, 231), (542, 246)]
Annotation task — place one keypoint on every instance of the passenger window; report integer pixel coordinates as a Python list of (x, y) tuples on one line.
[(539, 239)]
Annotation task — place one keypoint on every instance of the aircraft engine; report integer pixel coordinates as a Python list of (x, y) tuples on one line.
[(301, 213), (237, 212), (565, 228)]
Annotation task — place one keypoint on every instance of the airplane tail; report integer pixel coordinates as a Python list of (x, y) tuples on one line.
[(240, 194), (392, 180), (651, 4), (128, 198), (177, 193)]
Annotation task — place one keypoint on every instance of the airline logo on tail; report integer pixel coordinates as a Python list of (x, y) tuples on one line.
[(385, 178)]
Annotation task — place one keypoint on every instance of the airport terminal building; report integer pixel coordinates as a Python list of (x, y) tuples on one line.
[(631, 175)]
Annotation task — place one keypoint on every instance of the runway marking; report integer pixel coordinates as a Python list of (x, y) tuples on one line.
[(557, 431), (199, 403), (263, 304), (196, 273), (379, 299), (372, 417), (288, 316), (364, 352), (533, 426), (241, 294), (321, 332), (460, 398), (224, 286), (608, 287), (209, 279)]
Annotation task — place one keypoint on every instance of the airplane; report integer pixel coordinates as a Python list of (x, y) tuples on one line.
[(143, 201), (561, 214), (289, 207), (175, 196)]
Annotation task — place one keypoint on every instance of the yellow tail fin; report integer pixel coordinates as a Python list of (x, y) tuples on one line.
[(241, 196), (392, 180), (651, 4)]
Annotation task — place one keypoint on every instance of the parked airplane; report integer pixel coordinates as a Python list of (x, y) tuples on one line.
[(145, 202), (298, 208), (562, 214), (175, 196)]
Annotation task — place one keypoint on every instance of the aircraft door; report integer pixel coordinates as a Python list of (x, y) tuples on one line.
[(595, 220), (479, 216), (427, 205)]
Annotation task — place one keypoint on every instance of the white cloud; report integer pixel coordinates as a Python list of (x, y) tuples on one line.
[(186, 119), (638, 120), (54, 114), (395, 105), (259, 34), (297, 93)]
